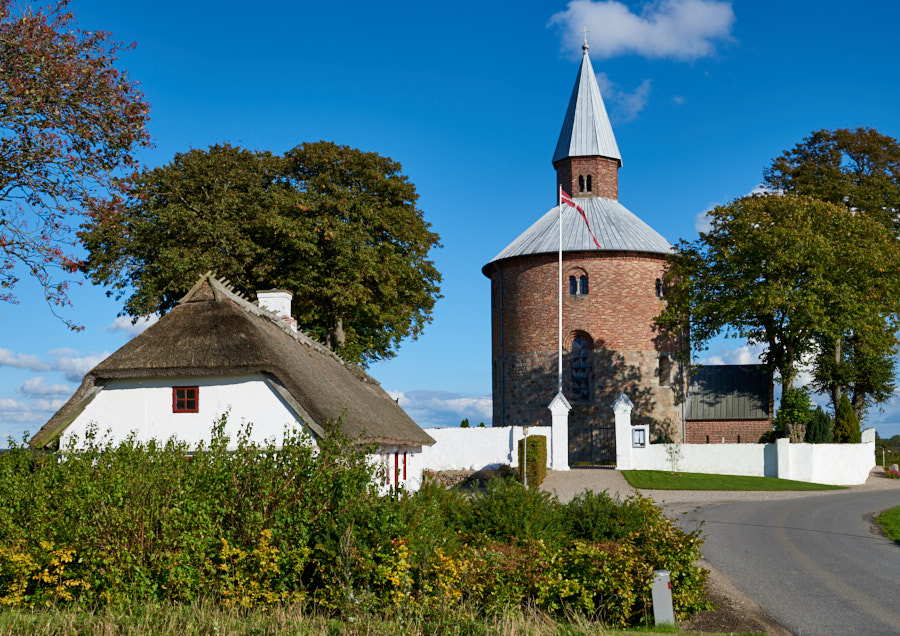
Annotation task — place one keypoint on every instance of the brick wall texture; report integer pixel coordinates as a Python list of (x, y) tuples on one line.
[(726, 431), (604, 174), (616, 316)]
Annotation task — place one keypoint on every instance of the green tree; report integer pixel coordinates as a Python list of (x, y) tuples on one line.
[(335, 226), (818, 431), (69, 123), (794, 413), (860, 170), (846, 425), (787, 272)]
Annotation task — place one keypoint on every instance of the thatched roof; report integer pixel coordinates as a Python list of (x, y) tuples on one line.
[(213, 331)]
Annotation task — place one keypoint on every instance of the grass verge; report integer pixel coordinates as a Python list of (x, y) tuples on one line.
[(207, 619), (663, 480), (889, 520)]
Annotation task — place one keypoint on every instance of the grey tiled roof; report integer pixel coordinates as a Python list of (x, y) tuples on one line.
[(586, 130), (616, 229), (730, 392)]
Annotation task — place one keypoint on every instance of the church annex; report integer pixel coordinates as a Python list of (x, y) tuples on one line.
[(610, 297)]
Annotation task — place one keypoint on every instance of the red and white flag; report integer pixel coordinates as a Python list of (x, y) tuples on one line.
[(567, 200)]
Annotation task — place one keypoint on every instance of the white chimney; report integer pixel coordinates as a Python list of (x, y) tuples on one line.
[(278, 302)]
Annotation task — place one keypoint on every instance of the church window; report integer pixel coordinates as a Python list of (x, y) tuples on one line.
[(578, 284), (665, 370), (573, 285), (589, 183), (660, 289), (185, 399), (581, 183), (583, 285), (581, 369)]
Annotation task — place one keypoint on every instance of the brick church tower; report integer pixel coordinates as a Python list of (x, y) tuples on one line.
[(610, 298)]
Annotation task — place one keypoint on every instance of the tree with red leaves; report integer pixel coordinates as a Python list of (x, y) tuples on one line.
[(70, 123)]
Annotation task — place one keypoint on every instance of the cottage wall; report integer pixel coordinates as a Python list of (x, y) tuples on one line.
[(144, 407)]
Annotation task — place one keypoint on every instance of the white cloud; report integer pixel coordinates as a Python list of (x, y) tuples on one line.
[(680, 29), (746, 354), (679, 100), (20, 361), (74, 367), (443, 408), (626, 105), (35, 388), (131, 328)]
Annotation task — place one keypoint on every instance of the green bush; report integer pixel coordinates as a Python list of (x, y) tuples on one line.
[(819, 429), (597, 517), (536, 467), (846, 426), (256, 526)]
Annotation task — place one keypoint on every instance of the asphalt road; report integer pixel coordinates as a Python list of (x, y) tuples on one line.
[(814, 564)]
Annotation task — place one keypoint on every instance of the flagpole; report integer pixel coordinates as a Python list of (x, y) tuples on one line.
[(559, 374)]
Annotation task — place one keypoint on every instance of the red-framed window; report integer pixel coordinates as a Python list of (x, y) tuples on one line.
[(185, 399)]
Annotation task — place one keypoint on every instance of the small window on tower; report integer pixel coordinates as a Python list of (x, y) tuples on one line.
[(185, 399), (660, 289), (581, 183), (582, 285), (573, 285), (589, 183), (665, 370)]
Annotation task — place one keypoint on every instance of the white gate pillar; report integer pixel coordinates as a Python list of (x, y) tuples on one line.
[(622, 408), (559, 432)]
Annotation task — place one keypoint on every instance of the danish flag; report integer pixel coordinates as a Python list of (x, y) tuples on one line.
[(565, 199)]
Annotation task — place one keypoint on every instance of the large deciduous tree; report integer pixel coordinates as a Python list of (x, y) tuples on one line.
[(785, 271), (860, 170), (70, 123), (335, 226)]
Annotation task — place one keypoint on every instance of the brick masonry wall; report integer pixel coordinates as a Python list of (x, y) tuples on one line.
[(616, 315), (733, 431), (604, 174)]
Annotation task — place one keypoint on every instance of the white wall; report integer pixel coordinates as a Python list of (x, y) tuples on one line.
[(476, 448), (757, 460), (145, 408)]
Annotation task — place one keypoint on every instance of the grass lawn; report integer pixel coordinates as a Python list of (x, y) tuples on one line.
[(889, 520), (663, 480)]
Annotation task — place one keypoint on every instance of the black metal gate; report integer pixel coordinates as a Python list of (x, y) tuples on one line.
[(592, 440)]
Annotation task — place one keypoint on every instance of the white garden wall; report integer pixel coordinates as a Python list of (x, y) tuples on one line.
[(476, 448)]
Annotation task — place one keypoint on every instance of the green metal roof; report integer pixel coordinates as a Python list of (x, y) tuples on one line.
[(730, 392)]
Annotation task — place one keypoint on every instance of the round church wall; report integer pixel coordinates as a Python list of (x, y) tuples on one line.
[(610, 345)]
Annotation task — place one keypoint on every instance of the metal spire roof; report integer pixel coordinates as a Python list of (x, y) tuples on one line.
[(586, 129), (616, 228)]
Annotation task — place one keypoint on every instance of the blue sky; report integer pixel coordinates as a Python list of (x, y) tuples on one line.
[(470, 97)]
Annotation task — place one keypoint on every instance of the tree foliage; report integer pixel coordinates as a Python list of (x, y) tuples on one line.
[(787, 272), (335, 226), (794, 413), (818, 431), (70, 122), (860, 170), (846, 425)]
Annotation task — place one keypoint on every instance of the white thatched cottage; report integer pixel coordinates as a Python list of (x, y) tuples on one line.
[(218, 352)]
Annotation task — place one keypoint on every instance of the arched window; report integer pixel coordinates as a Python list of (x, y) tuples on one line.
[(583, 285), (573, 285), (665, 370), (660, 289), (581, 183), (589, 183), (581, 369)]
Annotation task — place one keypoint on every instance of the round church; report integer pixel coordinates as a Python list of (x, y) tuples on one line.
[(613, 287)]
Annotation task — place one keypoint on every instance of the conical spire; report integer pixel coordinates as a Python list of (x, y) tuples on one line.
[(586, 131)]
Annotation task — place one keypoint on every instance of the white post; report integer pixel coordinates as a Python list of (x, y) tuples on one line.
[(622, 408), (559, 432)]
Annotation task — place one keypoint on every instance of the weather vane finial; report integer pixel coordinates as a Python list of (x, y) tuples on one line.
[(585, 47)]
